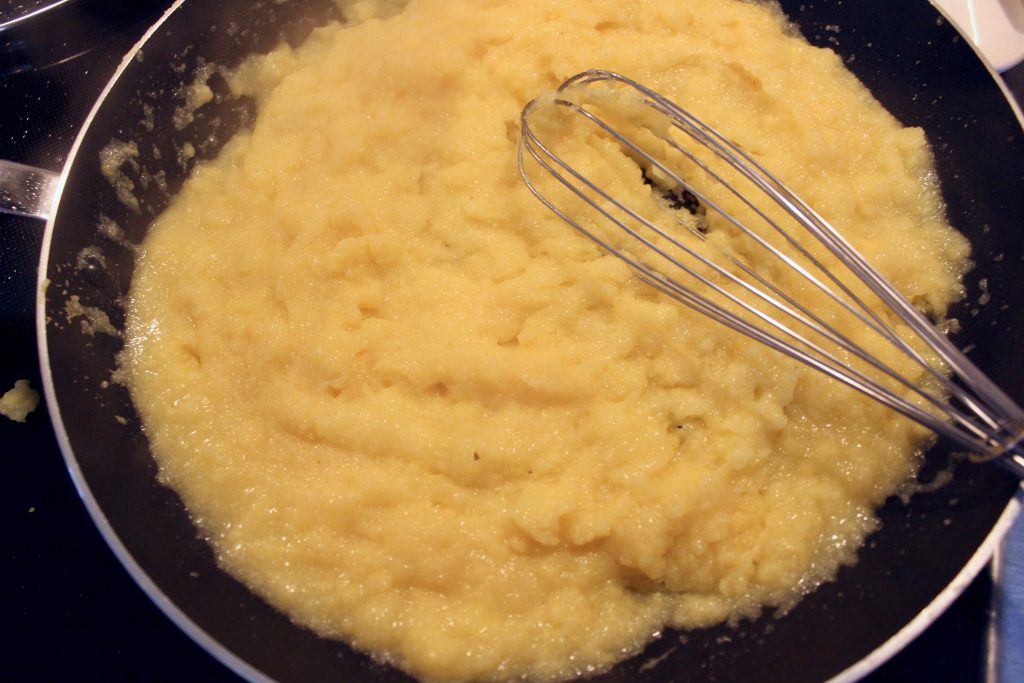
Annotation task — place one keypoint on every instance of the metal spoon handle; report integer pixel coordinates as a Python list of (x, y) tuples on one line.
[(26, 190)]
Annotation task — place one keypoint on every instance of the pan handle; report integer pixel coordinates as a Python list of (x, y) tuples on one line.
[(26, 190)]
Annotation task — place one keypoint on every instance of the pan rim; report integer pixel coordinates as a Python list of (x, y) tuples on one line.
[(171, 610), (941, 602), (864, 666), (1015, 106)]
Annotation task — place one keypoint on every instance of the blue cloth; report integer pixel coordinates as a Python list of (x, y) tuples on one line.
[(1009, 597)]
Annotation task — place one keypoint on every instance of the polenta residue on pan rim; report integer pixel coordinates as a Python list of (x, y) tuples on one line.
[(412, 410)]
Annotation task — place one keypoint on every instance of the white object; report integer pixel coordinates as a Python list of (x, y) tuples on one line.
[(996, 27)]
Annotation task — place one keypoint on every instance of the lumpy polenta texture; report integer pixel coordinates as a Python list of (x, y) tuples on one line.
[(413, 410)]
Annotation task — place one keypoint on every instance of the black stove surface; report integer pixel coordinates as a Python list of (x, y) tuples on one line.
[(68, 610)]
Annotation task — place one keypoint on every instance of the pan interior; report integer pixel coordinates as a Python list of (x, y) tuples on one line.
[(115, 463)]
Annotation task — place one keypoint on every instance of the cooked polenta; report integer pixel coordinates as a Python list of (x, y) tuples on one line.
[(413, 410)]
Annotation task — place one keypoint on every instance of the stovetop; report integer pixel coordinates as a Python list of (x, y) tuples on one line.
[(68, 610)]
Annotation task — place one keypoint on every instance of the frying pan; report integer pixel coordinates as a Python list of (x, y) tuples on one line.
[(927, 550)]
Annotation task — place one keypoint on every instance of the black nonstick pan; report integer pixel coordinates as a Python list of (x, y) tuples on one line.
[(927, 550)]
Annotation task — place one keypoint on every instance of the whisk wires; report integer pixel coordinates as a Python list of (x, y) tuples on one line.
[(952, 397)]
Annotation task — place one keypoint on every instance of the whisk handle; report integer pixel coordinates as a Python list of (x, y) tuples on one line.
[(1012, 459)]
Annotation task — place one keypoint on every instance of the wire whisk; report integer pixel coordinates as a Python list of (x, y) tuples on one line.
[(957, 401)]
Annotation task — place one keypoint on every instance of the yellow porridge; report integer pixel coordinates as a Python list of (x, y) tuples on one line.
[(415, 411)]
